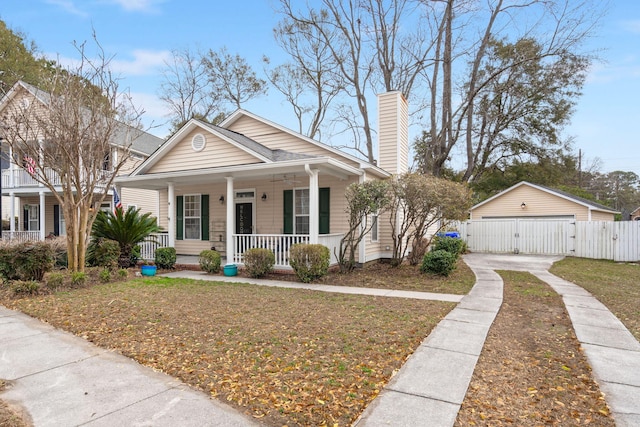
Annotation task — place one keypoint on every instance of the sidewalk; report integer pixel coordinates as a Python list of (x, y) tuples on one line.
[(63, 380)]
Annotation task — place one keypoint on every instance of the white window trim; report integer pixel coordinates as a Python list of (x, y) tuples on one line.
[(35, 220), (184, 217), (375, 228), (295, 213)]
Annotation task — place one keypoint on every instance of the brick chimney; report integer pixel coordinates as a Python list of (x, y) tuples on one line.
[(393, 132)]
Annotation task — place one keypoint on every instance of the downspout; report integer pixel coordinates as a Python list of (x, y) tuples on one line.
[(362, 247), (171, 226), (230, 221)]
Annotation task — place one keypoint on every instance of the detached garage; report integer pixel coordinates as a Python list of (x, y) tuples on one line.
[(531, 201)]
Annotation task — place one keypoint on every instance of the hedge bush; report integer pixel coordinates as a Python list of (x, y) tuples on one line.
[(209, 261), (452, 245), (439, 262), (259, 261), (309, 261), (26, 261), (166, 258), (103, 253)]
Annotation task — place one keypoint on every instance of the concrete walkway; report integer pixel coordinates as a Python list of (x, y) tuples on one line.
[(63, 380)]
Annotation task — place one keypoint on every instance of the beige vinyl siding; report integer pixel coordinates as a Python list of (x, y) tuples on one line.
[(217, 152), (130, 164), (538, 203), (601, 216), (276, 139), (145, 200), (163, 205), (393, 146), (49, 201)]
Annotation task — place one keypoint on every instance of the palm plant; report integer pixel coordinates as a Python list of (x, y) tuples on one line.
[(128, 228)]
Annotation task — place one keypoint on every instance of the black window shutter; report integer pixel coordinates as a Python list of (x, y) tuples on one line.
[(287, 210), (56, 220), (179, 217), (25, 219), (324, 210), (204, 216)]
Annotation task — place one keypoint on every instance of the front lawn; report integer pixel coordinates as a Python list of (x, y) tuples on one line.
[(616, 285), (288, 357)]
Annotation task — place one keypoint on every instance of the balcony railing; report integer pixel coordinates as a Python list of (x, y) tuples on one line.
[(22, 178)]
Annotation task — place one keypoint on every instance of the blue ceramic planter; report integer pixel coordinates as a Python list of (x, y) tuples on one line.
[(148, 270), (230, 270)]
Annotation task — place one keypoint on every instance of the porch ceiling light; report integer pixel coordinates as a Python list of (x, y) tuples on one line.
[(523, 205), (264, 197), (221, 200)]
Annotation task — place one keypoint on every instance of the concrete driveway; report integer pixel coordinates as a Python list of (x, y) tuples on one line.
[(511, 262)]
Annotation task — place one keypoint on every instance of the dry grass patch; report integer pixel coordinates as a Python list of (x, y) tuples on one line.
[(531, 371), (616, 285), (289, 357)]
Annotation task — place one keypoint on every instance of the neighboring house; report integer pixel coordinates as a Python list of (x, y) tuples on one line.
[(526, 200), (635, 215), (36, 208), (249, 182)]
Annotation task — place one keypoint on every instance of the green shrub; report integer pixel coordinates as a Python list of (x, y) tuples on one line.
[(439, 262), (78, 278), (309, 261), (103, 253), (209, 261), (258, 261), (105, 275), (123, 273), (166, 258), (452, 245), (33, 259), (55, 280), (25, 287)]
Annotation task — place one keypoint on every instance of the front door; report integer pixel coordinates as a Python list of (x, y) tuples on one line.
[(244, 218)]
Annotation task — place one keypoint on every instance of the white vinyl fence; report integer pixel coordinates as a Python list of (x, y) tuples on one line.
[(618, 241)]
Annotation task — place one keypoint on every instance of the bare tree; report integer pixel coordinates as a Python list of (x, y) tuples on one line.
[(419, 202), (232, 78), (185, 89), (66, 133), (369, 48), (309, 81), (557, 27)]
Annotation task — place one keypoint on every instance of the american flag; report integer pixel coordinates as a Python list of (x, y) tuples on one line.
[(117, 204)]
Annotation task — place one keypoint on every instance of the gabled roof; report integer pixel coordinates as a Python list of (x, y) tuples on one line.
[(558, 193), (236, 115), (141, 142)]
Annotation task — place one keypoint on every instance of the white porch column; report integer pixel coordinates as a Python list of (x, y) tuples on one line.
[(231, 226), (42, 216), (171, 215), (12, 209), (314, 204), (12, 168), (362, 246)]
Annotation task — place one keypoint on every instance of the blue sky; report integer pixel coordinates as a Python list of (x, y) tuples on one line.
[(141, 33)]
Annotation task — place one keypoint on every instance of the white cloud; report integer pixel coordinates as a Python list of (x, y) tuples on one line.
[(147, 6), (632, 26), (144, 62), (155, 115), (69, 6)]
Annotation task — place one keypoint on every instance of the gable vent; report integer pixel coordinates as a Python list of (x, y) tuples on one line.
[(198, 142)]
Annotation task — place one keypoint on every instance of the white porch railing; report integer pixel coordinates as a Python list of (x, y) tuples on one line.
[(21, 236), (280, 245), (148, 249), (22, 178)]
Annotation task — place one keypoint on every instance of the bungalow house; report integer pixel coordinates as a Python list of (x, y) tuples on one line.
[(533, 201), (250, 182), (33, 207)]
